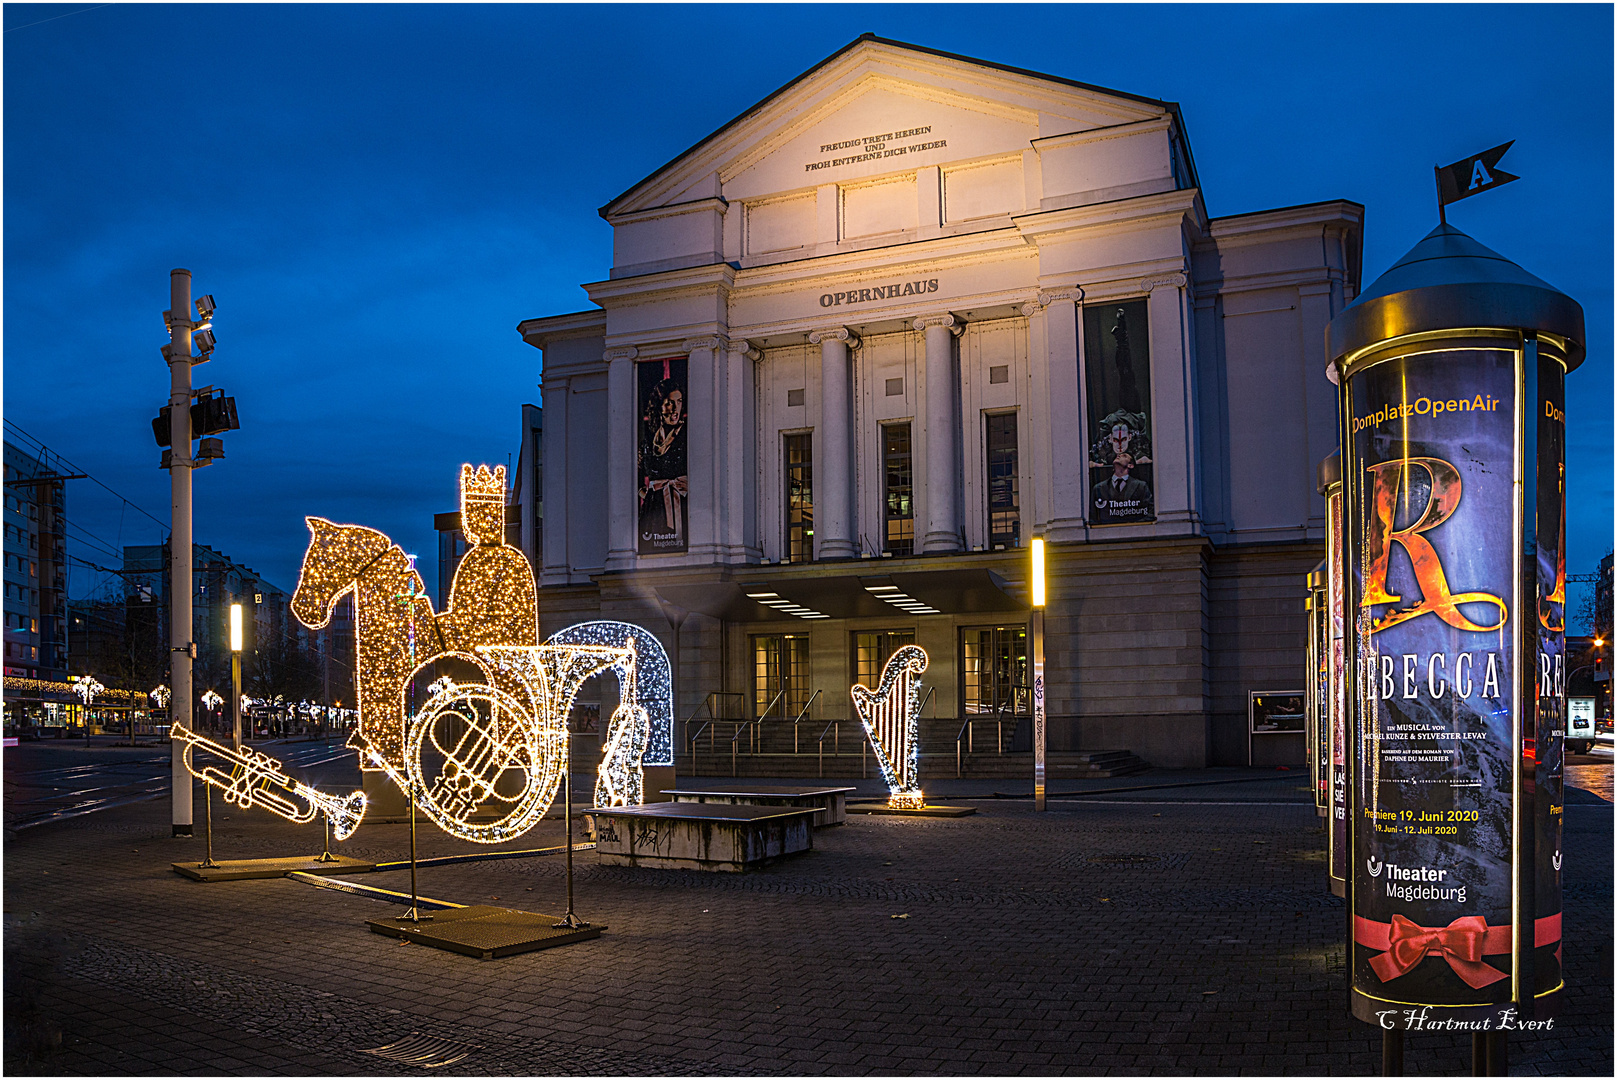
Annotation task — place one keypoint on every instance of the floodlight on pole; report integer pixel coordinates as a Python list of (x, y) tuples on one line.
[(1036, 583)]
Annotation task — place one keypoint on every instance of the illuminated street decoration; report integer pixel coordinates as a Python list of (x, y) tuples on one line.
[(160, 696), (256, 779), (87, 688), (493, 744), (891, 715), (643, 735), (211, 701)]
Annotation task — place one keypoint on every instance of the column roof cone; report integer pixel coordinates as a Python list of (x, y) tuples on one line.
[(1449, 281)]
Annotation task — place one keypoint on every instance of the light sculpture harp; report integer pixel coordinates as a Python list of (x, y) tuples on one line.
[(891, 716), (485, 752)]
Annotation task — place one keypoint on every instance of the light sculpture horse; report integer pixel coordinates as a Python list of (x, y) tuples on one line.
[(499, 739)]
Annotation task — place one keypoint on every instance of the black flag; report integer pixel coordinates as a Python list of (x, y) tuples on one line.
[(1473, 175)]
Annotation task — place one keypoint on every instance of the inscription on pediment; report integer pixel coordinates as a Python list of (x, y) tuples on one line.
[(874, 147)]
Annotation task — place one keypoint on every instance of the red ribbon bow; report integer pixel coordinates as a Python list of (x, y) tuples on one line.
[(1463, 943)]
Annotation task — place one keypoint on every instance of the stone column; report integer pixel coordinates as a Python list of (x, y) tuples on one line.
[(704, 446), (833, 469), (738, 512), (621, 549), (1066, 436), (554, 567), (1173, 400), (942, 476)]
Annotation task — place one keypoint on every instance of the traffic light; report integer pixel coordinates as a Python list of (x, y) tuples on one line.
[(209, 416)]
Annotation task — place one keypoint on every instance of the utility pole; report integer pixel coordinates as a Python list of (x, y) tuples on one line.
[(178, 355)]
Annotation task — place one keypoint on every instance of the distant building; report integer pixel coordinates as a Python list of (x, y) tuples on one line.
[(279, 655), (35, 565), (527, 486)]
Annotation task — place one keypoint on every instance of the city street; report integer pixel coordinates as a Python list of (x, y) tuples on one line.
[(1182, 929)]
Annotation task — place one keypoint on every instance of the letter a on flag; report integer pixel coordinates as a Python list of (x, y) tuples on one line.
[(1473, 175)]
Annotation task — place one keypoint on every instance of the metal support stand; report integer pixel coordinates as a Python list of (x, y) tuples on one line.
[(325, 850), (414, 914), (1392, 1053), (207, 817), (570, 921)]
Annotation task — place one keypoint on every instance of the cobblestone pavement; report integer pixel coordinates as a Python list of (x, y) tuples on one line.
[(1175, 930)]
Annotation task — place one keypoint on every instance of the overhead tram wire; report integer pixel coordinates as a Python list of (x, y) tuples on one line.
[(13, 429)]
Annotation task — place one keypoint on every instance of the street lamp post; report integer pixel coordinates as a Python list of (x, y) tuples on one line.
[(178, 355), (1037, 584), (235, 676)]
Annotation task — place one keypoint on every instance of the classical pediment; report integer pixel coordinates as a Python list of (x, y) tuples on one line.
[(880, 108)]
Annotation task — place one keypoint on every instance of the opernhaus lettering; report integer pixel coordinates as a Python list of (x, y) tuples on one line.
[(1425, 406), (879, 292)]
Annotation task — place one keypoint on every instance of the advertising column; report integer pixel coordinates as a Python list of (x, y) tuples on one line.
[(1453, 494), (1330, 476)]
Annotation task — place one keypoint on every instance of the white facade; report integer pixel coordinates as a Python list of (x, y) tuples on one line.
[(904, 235)]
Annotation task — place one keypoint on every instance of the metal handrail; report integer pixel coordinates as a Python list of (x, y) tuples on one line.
[(967, 733), (929, 692), (741, 726), (707, 703), (799, 718), (836, 748)]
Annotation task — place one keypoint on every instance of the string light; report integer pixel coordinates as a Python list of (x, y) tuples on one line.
[(160, 696), (891, 715), (51, 686), (87, 688), (256, 779), (211, 701)]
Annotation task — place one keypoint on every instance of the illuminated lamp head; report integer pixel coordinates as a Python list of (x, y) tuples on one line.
[(482, 504)]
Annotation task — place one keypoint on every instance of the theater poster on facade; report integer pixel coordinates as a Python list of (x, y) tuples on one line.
[(1117, 374), (663, 483)]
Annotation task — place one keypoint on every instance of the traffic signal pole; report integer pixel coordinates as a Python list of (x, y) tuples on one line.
[(180, 585)]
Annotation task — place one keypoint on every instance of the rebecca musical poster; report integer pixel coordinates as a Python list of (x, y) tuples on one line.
[(1117, 376), (1429, 481), (663, 480), (1336, 715)]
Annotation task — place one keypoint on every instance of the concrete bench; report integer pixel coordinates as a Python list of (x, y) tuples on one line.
[(830, 804), (700, 836)]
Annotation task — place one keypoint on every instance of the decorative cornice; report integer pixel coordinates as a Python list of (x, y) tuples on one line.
[(1045, 297), (745, 348), (711, 343), (944, 319), (834, 333), (620, 352), (1175, 280)]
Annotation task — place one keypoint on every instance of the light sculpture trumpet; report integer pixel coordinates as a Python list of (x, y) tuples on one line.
[(891, 716), (256, 779)]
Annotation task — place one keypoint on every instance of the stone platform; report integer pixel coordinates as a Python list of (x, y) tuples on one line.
[(830, 804), (484, 931), (920, 811), (700, 836), (245, 869)]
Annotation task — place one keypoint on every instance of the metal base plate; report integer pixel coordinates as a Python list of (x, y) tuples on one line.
[(484, 931), (242, 869), (925, 811)]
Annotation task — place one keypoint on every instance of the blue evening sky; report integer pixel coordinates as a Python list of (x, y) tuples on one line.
[(376, 195)]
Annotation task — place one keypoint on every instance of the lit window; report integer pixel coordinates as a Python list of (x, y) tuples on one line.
[(780, 679), (872, 650), (1004, 504), (993, 669), (798, 455), (898, 486)]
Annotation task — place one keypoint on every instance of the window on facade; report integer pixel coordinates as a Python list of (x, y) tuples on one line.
[(797, 451), (871, 651), (1004, 502), (994, 669), (780, 674), (898, 490)]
